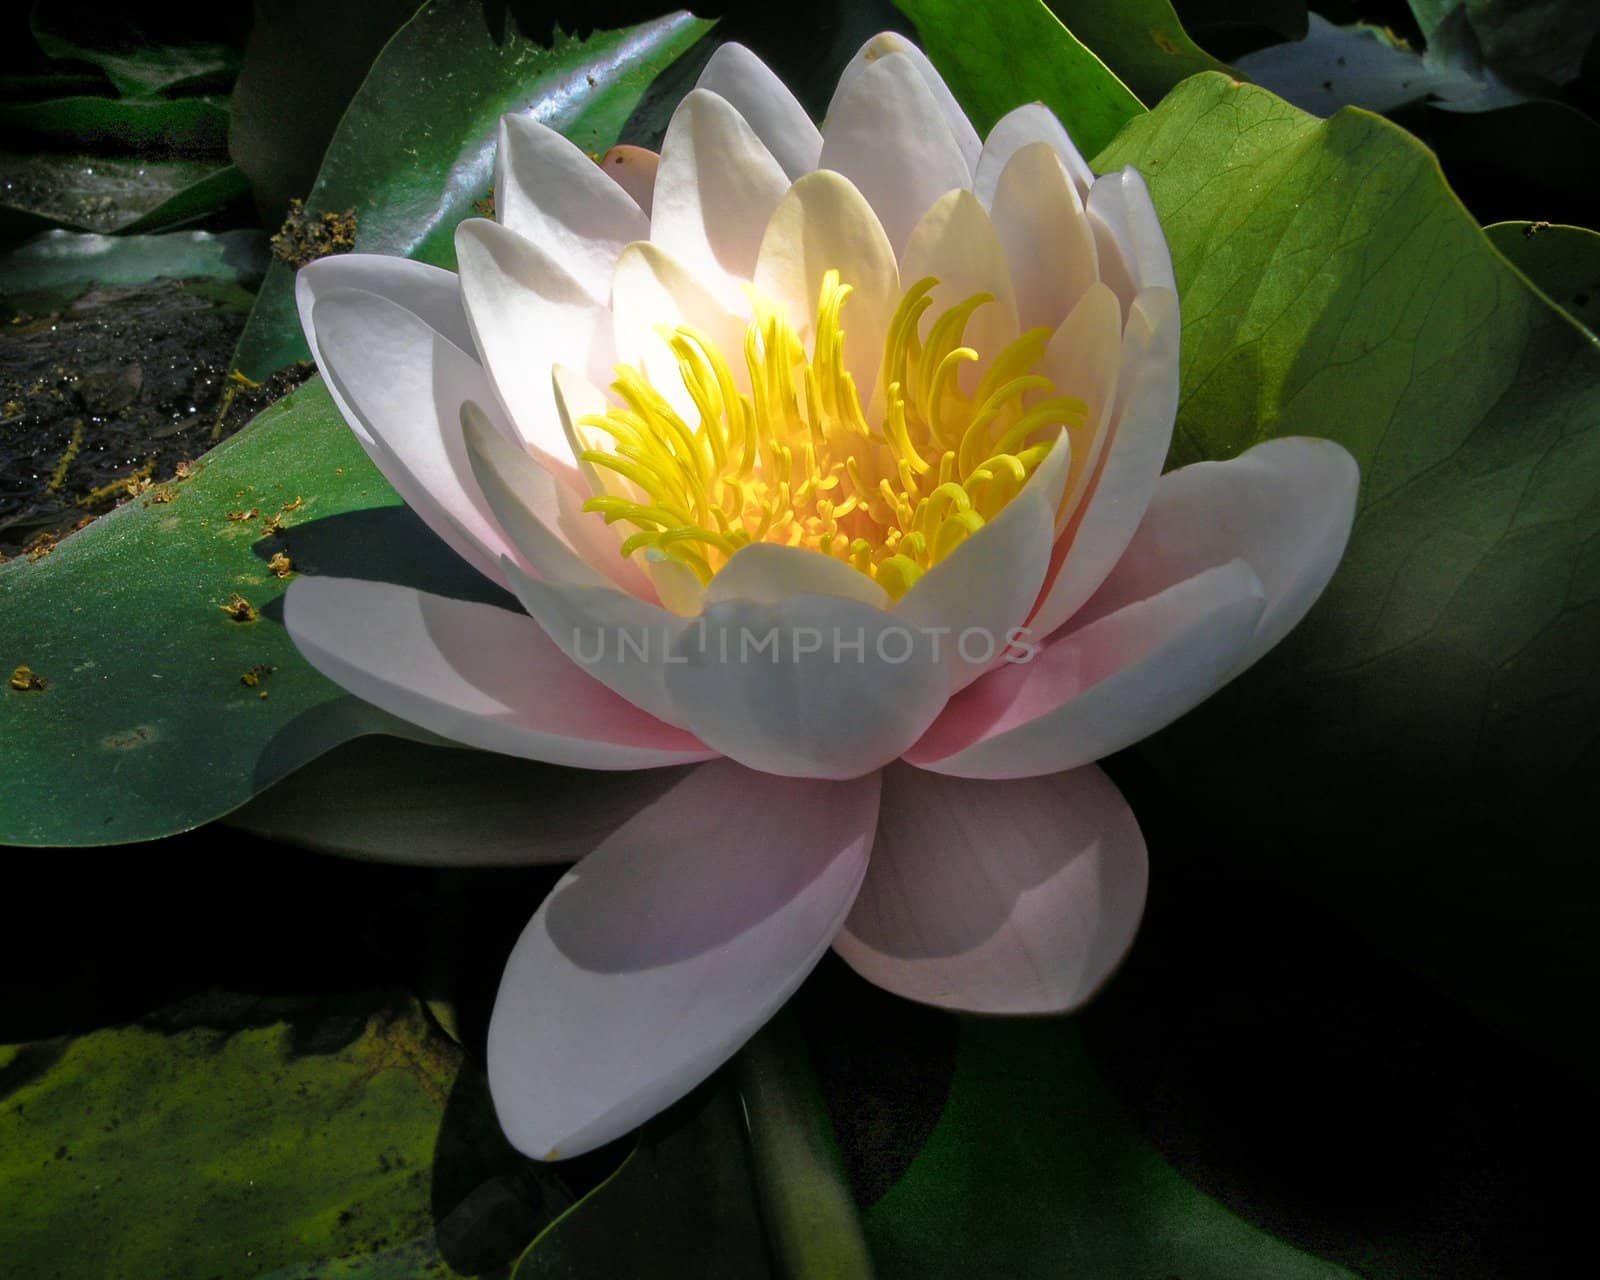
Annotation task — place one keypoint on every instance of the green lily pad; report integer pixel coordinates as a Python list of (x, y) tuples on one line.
[(1563, 261), (1142, 42), (147, 725), (63, 264), (164, 126), (136, 67), (409, 189), (996, 57), (1438, 707), (239, 1135), (1032, 1171), (109, 194)]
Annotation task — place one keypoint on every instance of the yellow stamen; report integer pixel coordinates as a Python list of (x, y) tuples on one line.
[(795, 460)]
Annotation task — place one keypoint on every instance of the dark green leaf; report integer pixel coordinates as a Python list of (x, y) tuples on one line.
[(1032, 1171), (64, 263), (996, 57), (1445, 687), (1142, 42), (145, 727), (109, 193), (682, 1204), (178, 126), (1563, 261), (409, 187), (135, 66)]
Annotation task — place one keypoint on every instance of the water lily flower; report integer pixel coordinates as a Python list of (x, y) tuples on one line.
[(826, 466)]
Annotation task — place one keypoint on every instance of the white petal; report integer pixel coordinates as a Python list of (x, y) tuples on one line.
[(618, 639), (767, 105), (474, 674), (1121, 212), (986, 586), (560, 541), (767, 573), (1032, 122), (1015, 896), (825, 223), (548, 191), (634, 170), (1141, 432), (404, 383), (956, 243), (653, 290), (887, 42), (429, 292), (716, 188), (528, 313), (885, 133), (1103, 687), (814, 686), (667, 948), (1047, 237), (1083, 359), (1284, 506)]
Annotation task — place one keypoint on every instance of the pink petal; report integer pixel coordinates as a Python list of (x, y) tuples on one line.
[(666, 948), (1102, 687), (474, 674), (1017, 896)]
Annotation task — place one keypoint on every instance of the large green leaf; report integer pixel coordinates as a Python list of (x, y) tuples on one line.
[(1563, 261), (1142, 42), (145, 727), (996, 57), (239, 1135), (163, 126), (409, 186), (1032, 1171), (62, 263), (1439, 706)]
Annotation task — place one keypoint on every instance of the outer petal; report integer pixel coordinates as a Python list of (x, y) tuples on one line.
[(634, 170), (404, 383), (548, 191), (428, 292), (1285, 506), (885, 133), (519, 300), (1095, 690), (765, 102), (1047, 237), (716, 188), (1032, 122), (667, 947), (984, 588), (1132, 246), (1118, 492), (618, 639), (825, 224), (887, 42), (475, 674), (998, 897), (813, 687)]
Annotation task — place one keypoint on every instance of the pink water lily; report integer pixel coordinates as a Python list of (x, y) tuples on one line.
[(826, 466)]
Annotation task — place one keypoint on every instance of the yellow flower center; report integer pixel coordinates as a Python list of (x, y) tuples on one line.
[(796, 462)]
